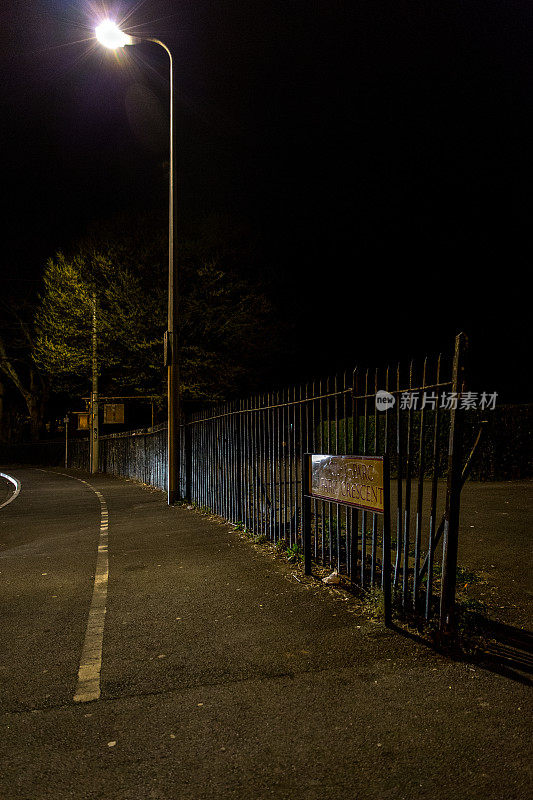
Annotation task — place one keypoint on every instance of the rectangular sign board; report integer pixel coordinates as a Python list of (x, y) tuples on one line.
[(113, 413), (83, 420), (351, 480)]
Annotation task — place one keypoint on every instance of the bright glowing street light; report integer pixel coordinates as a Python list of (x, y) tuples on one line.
[(109, 34)]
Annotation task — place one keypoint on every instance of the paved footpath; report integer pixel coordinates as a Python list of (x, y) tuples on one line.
[(219, 675)]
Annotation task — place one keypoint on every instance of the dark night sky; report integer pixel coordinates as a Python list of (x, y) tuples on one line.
[(379, 150)]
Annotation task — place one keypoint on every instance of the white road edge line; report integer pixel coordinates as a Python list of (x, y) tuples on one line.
[(17, 484), (88, 687)]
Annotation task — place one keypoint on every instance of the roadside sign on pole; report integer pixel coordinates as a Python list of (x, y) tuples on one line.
[(83, 420), (113, 413)]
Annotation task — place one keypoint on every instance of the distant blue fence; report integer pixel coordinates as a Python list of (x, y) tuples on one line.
[(141, 455)]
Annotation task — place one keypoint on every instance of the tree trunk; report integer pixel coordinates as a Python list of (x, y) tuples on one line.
[(35, 402)]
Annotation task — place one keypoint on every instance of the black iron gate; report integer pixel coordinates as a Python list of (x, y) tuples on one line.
[(244, 462)]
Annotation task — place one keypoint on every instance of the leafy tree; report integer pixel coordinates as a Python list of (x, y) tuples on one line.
[(223, 325), (124, 324), (225, 322), (16, 363)]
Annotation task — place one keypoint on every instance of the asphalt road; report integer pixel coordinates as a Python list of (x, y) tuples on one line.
[(222, 675), (496, 541), (6, 490)]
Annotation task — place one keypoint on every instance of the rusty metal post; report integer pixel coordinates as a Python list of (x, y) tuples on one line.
[(306, 513), (453, 495), (386, 566)]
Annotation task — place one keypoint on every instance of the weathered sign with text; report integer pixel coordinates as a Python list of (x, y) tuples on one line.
[(113, 413), (350, 480)]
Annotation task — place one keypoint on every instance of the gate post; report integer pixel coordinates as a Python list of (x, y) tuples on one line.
[(238, 489), (453, 495), (306, 513), (187, 446), (386, 567)]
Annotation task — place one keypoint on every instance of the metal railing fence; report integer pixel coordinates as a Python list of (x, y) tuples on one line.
[(243, 462), (141, 455)]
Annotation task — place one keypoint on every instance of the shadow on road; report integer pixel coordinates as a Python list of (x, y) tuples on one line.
[(506, 650), (491, 645)]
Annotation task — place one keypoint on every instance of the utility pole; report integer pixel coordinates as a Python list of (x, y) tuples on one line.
[(110, 35), (94, 399), (173, 380), (66, 440)]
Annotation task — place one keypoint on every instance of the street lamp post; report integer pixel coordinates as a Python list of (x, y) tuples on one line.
[(110, 35)]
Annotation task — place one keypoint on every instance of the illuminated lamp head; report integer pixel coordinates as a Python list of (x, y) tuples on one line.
[(109, 34)]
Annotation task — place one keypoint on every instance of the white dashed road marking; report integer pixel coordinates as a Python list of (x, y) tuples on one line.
[(88, 687)]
